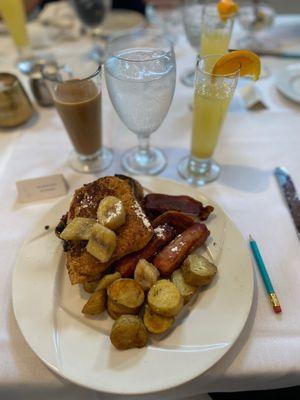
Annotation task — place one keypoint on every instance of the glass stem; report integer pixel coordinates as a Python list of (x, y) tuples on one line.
[(143, 144), (143, 150)]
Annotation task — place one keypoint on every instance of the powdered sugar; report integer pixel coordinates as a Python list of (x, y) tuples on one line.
[(140, 213)]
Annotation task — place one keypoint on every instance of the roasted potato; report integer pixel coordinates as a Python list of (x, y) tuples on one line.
[(155, 323), (185, 289), (146, 274), (90, 287), (96, 304), (128, 332), (126, 292), (164, 298), (107, 280), (115, 310), (198, 271)]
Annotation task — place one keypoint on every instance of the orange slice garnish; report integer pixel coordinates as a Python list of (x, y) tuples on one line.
[(227, 8), (244, 60)]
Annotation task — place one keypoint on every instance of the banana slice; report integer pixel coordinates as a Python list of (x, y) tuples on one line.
[(78, 229), (111, 213), (146, 274), (102, 243)]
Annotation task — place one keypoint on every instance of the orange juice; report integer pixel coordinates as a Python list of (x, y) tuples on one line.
[(13, 13)]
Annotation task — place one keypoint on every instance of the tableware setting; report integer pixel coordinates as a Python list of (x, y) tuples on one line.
[(140, 274)]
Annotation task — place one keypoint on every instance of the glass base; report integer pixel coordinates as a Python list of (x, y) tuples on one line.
[(25, 65), (144, 163), (94, 163), (198, 172), (97, 54), (188, 78)]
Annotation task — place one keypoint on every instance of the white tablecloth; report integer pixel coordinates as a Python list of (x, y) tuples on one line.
[(267, 353)]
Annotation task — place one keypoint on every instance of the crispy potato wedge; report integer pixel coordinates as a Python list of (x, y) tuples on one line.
[(96, 304), (146, 274), (126, 292), (128, 332), (164, 298), (107, 280), (198, 271), (155, 323), (90, 287), (115, 310), (185, 289)]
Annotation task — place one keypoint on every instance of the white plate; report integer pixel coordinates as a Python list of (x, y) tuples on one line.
[(121, 22), (288, 82), (48, 311)]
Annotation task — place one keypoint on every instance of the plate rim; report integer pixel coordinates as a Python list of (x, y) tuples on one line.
[(280, 80), (128, 392)]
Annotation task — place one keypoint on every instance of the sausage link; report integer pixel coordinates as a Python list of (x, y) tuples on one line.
[(172, 255), (163, 234)]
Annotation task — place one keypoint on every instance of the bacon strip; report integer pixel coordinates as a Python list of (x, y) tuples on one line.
[(163, 234), (156, 204), (179, 220), (172, 255)]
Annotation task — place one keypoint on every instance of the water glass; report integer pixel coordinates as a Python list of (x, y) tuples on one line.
[(255, 17), (140, 73), (191, 15), (212, 97)]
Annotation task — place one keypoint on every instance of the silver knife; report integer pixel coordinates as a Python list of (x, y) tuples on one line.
[(290, 194)]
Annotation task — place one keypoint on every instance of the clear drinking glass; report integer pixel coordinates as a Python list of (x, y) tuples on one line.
[(166, 16), (255, 17), (215, 32), (92, 13), (191, 15), (213, 94), (140, 73), (14, 16), (77, 95)]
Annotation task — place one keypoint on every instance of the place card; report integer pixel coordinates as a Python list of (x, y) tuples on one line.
[(252, 98), (45, 187)]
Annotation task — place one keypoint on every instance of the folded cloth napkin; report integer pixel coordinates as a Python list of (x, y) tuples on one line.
[(56, 23)]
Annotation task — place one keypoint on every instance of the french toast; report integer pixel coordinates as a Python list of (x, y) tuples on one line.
[(132, 236)]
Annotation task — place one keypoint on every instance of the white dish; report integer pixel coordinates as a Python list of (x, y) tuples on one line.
[(288, 82), (119, 22), (48, 311)]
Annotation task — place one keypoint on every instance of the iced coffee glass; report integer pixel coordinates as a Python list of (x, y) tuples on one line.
[(78, 100)]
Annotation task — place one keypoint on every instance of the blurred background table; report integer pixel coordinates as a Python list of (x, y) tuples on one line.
[(253, 143)]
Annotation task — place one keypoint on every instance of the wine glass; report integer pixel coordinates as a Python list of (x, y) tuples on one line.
[(212, 97), (140, 73), (92, 13), (254, 17), (165, 15), (192, 15)]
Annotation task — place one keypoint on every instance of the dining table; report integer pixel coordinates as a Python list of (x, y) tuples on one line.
[(266, 355)]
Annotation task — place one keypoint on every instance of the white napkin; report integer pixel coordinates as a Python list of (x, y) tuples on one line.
[(57, 22)]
